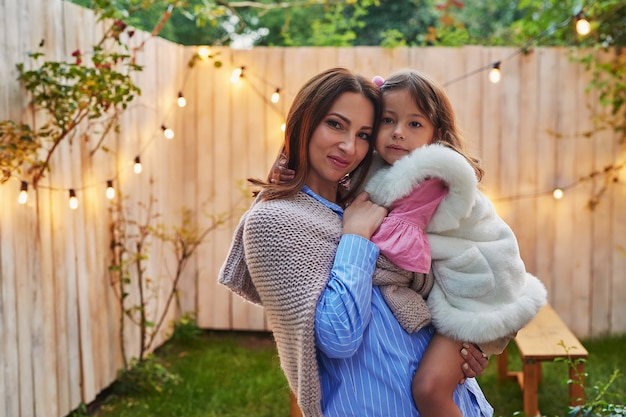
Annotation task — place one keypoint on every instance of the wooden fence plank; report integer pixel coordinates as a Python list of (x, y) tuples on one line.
[(581, 253), (618, 294), (469, 120), (8, 301), (492, 120), (186, 82), (526, 150), (509, 139), (10, 54), (566, 174), (27, 288), (222, 103), (605, 147), (202, 112), (548, 94), (48, 401)]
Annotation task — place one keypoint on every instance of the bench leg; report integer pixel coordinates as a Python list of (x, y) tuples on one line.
[(532, 373), (503, 365), (576, 388)]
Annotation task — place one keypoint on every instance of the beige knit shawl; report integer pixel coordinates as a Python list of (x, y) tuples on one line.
[(289, 248), (405, 293)]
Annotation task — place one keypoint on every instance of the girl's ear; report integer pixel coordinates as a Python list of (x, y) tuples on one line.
[(439, 135)]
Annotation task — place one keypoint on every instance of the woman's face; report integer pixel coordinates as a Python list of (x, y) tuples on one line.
[(404, 127), (339, 143)]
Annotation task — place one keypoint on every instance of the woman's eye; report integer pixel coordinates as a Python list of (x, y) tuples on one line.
[(333, 123), (364, 136)]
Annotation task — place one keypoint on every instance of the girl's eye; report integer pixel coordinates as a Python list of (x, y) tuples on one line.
[(415, 124), (387, 120)]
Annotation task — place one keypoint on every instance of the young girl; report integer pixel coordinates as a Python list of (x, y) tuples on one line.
[(481, 291)]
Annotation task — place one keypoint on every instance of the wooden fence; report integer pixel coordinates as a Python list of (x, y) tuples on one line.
[(59, 319)]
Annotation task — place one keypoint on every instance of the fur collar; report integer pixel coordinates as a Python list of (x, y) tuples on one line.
[(393, 182)]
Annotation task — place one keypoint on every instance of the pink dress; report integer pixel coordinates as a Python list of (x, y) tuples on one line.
[(401, 237)]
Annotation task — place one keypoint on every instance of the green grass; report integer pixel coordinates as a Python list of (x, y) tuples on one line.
[(237, 374), (221, 374)]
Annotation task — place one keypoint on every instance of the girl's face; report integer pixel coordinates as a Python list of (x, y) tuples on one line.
[(404, 127), (339, 143)]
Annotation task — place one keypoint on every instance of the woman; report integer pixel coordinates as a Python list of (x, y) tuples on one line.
[(310, 264)]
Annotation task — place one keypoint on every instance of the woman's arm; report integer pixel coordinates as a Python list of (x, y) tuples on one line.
[(344, 308)]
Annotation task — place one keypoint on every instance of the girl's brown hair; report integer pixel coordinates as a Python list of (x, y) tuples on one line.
[(433, 101), (309, 108)]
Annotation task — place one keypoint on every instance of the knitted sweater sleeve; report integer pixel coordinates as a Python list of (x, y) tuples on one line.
[(234, 272), (290, 246)]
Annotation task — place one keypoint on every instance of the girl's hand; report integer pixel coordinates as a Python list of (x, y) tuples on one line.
[(362, 217), (475, 361), (280, 174)]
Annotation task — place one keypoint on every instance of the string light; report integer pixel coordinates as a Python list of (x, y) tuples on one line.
[(137, 168), (73, 200), (23, 197), (583, 27), (182, 102), (237, 74), (169, 133), (110, 193), (276, 96), (204, 53), (494, 74)]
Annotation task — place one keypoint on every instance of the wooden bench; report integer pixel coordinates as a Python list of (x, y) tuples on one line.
[(545, 338)]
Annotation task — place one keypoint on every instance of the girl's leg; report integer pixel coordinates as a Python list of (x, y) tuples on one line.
[(436, 378)]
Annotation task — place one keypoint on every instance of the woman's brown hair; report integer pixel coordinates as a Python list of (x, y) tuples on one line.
[(309, 108)]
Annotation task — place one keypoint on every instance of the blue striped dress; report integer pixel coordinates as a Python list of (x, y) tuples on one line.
[(366, 359)]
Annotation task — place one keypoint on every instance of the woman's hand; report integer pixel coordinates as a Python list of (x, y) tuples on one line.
[(362, 217), (475, 361)]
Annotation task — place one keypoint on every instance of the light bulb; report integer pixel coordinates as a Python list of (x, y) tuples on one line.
[(583, 27), (181, 100), (169, 133), (557, 193), (23, 197), (110, 193), (494, 73), (73, 200), (276, 96), (137, 167), (236, 75), (204, 53)]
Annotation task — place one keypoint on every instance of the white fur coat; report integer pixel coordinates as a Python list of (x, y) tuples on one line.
[(482, 291)]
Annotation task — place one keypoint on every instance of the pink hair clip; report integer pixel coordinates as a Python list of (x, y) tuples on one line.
[(378, 80)]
